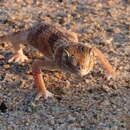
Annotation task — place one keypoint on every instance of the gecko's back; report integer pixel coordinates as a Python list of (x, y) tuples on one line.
[(63, 52), (44, 37)]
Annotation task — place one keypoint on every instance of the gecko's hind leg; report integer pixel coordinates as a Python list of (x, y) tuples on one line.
[(19, 55)]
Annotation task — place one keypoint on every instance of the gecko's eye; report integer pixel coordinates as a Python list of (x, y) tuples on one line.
[(65, 55)]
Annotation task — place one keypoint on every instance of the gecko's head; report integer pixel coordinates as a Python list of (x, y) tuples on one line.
[(77, 59)]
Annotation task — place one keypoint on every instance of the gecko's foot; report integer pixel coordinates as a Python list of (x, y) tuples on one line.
[(109, 77), (18, 58), (45, 95)]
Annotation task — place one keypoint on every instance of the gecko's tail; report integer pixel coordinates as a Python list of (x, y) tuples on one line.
[(15, 37), (106, 65), (4, 38)]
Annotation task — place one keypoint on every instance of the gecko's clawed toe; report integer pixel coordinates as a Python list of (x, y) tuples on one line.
[(18, 58), (111, 76), (44, 95), (48, 94)]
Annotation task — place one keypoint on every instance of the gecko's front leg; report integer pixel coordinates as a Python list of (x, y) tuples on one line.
[(19, 55), (37, 74), (102, 59)]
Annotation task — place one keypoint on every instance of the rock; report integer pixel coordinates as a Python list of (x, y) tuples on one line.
[(70, 118), (106, 88), (62, 127), (114, 12), (51, 122), (4, 16), (105, 103), (15, 83), (1, 57), (59, 1), (58, 75), (3, 107), (129, 27), (110, 2), (7, 66), (29, 1)]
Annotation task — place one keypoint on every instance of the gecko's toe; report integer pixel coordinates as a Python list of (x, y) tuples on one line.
[(18, 58), (43, 95), (111, 76), (48, 94)]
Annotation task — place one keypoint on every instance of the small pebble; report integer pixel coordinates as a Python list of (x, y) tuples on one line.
[(7, 66), (1, 57), (3, 107)]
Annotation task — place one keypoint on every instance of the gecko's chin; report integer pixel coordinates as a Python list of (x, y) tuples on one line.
[(81, 73), (78, 75), (75, 72)]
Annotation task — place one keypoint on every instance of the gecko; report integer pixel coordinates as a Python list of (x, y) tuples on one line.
[(62, 52)]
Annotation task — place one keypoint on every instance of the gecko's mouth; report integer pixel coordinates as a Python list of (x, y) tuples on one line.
[(76, 73)]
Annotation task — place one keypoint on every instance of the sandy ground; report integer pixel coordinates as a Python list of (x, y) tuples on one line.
[(94, 103)]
